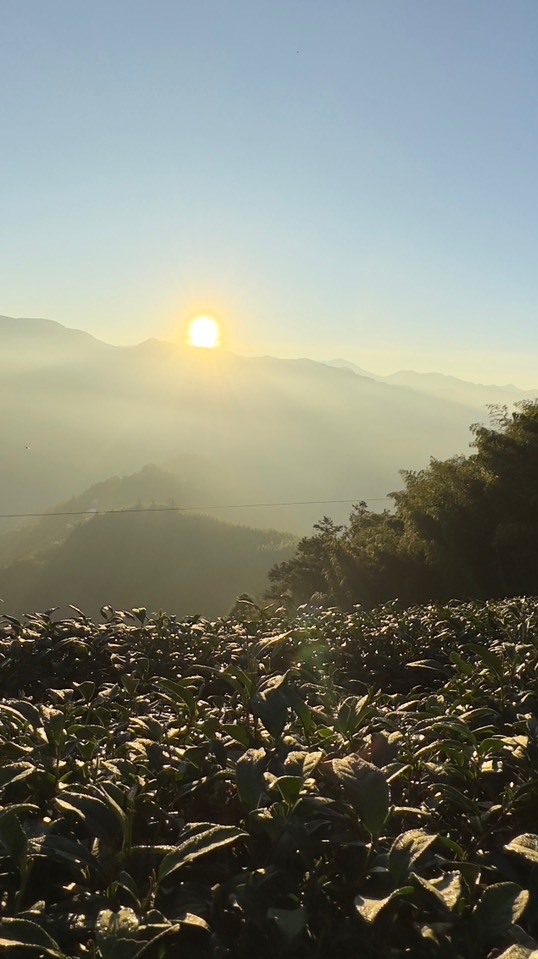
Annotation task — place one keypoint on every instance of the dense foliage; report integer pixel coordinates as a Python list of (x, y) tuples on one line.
[(338, 785), (465, 527)]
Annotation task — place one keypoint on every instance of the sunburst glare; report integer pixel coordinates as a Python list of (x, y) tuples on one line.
[(204, 331)]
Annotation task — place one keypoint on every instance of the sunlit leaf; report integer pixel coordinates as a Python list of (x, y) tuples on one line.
[(200, 839), (15, 772), (493, 662), (302, 763), (445, 890), (367, 790), (525, 845), (406, 850), (369, 909), (518, 952)]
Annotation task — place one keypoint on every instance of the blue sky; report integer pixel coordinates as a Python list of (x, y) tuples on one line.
[(348, 178)]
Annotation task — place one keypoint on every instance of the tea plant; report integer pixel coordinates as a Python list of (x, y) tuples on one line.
[(326, 785)]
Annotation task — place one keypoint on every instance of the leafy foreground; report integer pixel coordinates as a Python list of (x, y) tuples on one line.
[(337, 785)]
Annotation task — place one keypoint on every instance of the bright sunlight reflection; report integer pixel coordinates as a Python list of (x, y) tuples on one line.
[(204, 331)]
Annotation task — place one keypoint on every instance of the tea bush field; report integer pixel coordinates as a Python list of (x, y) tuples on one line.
[(335, 785)]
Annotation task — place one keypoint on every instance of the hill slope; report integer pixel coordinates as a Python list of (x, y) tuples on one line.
[(177, 561)]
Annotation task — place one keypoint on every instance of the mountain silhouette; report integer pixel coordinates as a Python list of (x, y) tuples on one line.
[(255, 429)]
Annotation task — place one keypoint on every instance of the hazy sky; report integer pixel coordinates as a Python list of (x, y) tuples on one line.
[(329, 177)]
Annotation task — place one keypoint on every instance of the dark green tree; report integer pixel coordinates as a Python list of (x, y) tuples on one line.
[(465, 527)]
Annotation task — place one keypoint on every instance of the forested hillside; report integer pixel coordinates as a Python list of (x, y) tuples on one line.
[(163, 560), (466, 527), (132, 540), (147, 487)]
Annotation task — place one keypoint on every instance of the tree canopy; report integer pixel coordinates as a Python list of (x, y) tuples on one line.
[(465, 527)]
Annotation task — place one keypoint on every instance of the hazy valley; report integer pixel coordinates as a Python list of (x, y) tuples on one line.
[(218, 430)]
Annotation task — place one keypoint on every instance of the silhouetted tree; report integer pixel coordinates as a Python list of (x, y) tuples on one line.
[(465, 527)]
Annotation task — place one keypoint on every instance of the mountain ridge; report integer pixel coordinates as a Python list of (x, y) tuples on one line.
[(267, 429), (401, 376)]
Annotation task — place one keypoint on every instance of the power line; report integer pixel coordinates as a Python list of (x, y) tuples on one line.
[(191, 509)]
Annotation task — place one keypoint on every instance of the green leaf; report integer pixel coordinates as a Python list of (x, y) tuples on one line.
[(112, 796), (267, 645), (453, 846), (63, 850), (22, 934), (491, 661), (130, 683), (180, 693), (108, 924), (525, 845), (455, 796), (370, 908), (200, 839), (296, 702), (126, 882), (86, 689), (148, 946), (448, 887), (15, 772), (289, 788), (98, 818), (500, 906), (298, 762), (118, 934), (89, 731), (14, 714), (191, 919), (351, 714), (519, 952), (121, 935), (290, 922), (406, 850), (249, 777), (13, 837), (366, 789), (428, 666), (271, 705), (464, 667), (238, 680), (445, 890), (28, 710), (238, 732)]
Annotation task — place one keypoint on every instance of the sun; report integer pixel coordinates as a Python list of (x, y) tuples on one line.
[(204, 331)]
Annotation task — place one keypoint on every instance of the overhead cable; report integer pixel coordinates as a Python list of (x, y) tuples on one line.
[(191, 509)]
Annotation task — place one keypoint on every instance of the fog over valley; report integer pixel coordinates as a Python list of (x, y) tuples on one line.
[(88, 427)]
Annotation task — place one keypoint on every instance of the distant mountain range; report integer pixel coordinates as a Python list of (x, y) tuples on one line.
[(225, 433), (236, 429), (447, 387)]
